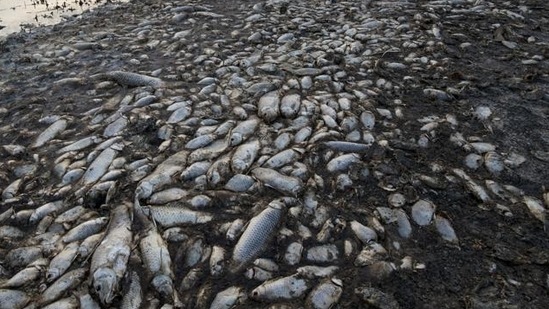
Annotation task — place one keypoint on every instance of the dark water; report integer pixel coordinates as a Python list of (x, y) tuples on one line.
[(17, 15)]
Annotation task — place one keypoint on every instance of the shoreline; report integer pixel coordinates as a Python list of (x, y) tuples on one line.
[(60, 15)]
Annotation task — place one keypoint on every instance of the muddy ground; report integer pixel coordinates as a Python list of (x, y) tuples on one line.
[(500, 262)]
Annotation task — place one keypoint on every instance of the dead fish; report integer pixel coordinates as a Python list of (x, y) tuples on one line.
[(325, 295), (343, 162), (370, 254), (362, 232), (11, 190), (200, 141), (162, 175), (210, 152), (258, 274), (347, 146), (23, 256), (80, 144), (290, 105), (477, 190), (99, 166), (285, 184), (493, 162), (322, 254), (110, 258), (89, 244), (285, 288), (61, 262), (536, 209), (228, 298), (243, 131), (244, 156), (13, 299), (195, 251), (66, 283), (284, 157), (25, 276), (445, 229), (85, 229), (168, 216), (168, 195), (217, 261), (195, 169), (422, 212), (293, 253), (51, 132), (132, 79), (257, 234), (239, 183), (404, 227), (156, 258), (179, 114), (46, 209), (312, 272), (133, 298)]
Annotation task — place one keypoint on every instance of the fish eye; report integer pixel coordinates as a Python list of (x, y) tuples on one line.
[(98, 288)]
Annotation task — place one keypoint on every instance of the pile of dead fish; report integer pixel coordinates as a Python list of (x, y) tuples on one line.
[(222, 175)]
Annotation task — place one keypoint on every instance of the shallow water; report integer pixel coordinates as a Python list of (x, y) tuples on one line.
[(16, 15)]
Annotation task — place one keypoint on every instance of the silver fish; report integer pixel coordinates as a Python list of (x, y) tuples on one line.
[(156, 258), (13, 299), (268, 106), (66, 283), (284, 288), (85, 229), (257, 234), (325, 295), (168, 216), (133, 79), (65, 303), (109, 260), (244, 156), (51, 132), (134, 296), (62, 262), (290, 105), (285, 184), (227, 298), (99, 166), (243, 131)]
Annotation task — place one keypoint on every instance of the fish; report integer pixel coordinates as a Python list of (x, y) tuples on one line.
[(131, 79), (110, 258), (49, 133), (257, 234), (284, 288), (326, 294)]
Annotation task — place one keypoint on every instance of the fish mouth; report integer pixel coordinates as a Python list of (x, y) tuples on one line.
[(104, 284), (164, 285)]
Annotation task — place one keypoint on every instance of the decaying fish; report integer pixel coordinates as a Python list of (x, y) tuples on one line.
[(326, 294), (156, 258), (109, 261), (259, 231), (284, 288), (285, 184)]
